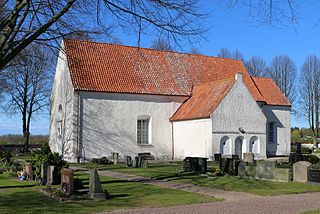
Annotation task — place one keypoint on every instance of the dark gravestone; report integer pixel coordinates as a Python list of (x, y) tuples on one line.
[(195, 164), (229, 165), (67, 185), (298, 148), (136, 162), (314, 173), (217, 156), (44, 173), (296, 157), (129, 161), (242, 168), (52, 176)]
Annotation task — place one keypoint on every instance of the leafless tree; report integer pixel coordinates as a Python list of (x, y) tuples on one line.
[(161, 44), (310, 91), (27, 21), (28, 86), (195, 51), (256, 66), (273, 12), (225, 53), (283, 72)]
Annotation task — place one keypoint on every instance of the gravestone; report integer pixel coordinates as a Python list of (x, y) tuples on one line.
[(115, 157), (52, 176), (265, 169), (67, 181), (242, 168), (28, 170), (314, 173), (129, 161), (44, 172), (300, 171), (195, 164), (217, 157), (248, 157), (95, 189)]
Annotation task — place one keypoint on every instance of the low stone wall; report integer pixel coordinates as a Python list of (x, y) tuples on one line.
[(264, 171)]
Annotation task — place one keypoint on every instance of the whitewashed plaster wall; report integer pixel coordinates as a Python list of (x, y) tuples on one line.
[(109, 123), (62, 117), (238, 110), (192, 138), (280, 116)]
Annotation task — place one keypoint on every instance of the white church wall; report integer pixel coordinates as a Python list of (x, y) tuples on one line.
[(109, 124), (238, 110), (280, 117), (61, 134), (192, 138)]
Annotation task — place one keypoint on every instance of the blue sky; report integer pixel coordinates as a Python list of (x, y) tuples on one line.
[(233, 30)]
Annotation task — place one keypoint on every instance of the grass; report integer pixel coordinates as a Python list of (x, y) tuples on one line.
[(230, 183), (312, 212), (24, 197)]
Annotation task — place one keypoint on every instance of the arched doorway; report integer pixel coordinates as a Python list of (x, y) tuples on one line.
[(239, 147), (254, 145), (225, 146)]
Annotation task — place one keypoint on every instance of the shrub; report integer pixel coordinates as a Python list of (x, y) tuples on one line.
[(45, 155), (103, 160), (315, 166), (6, 156), (312, 159), (306, 150)]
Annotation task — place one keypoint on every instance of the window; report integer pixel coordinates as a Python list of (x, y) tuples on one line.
[(271, 132), (143, 131)]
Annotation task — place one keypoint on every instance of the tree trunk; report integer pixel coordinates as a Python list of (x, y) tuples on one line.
[(26, 135)]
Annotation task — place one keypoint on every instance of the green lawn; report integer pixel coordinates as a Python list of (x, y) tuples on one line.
[(258, 187), (24, 197)]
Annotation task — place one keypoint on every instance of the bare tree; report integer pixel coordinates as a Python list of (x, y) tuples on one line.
[(283, 72), (272, 12), (256, 66), (225, 53), (195, 51), (310, 91), (28, 86), (161, 44), (27, 21)]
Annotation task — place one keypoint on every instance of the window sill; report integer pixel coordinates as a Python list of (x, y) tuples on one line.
[(145, 145)]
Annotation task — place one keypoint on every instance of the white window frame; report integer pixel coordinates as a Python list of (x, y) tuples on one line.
[(144, 137)]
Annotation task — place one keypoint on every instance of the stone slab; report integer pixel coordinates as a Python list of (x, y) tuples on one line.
[(300, 171)]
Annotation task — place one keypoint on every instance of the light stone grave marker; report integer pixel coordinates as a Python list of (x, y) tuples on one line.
[(248, 157), (300, 171), (95, 189), (28, 170)]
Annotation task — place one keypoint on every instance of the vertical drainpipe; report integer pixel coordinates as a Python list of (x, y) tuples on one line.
[(78, 133), (172, 139)]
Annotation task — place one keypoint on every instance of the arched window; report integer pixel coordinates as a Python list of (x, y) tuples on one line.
[(254, 145), (239, 147), (144, 129), (225, 146), (59, 121)]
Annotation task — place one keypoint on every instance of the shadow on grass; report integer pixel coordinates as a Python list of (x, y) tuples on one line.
[(17, 186)]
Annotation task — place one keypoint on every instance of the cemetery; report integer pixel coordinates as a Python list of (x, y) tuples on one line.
[(82, 185)]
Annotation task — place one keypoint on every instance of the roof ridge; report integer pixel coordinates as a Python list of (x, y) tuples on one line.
[(151, 49)]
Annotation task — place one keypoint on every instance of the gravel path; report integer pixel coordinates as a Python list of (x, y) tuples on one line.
[(235, 202)]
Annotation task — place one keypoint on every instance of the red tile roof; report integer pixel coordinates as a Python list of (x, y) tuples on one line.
[(115, 68), (204, 100), (270, 92)]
